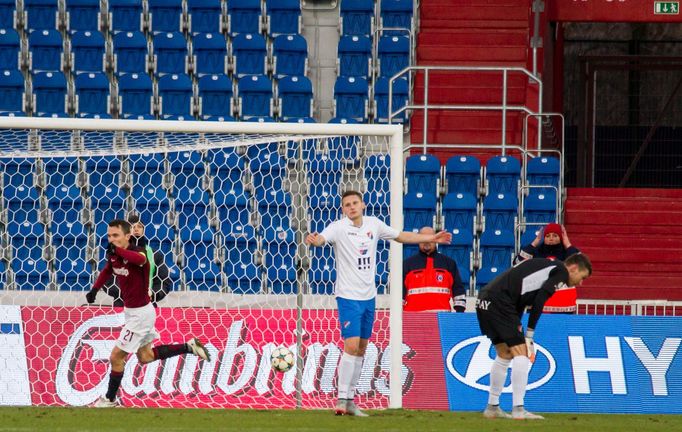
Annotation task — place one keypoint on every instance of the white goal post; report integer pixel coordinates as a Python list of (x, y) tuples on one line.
[(172, 155)]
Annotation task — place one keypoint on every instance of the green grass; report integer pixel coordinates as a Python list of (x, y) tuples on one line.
[(168, 420)]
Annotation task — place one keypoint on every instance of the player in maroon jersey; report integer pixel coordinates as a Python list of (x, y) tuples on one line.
[(129, 265)]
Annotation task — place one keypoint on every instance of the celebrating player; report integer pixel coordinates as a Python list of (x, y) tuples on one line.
[(499, 308), (355, 239), (130, 266)]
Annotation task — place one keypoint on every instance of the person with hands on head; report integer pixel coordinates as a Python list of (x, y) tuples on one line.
[(355, 238), (499, 308)]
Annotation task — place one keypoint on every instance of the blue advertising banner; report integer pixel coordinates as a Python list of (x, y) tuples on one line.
[(598, 364)]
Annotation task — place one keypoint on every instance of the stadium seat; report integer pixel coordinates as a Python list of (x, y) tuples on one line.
[(356, 17), (243, 276), (126, 15), (463, 174), (92, 93), (322, 273), (544, 171), (377, 176), (46, 50), (283, 17), (280, 252), (423, 174), (232, 206), (460, 211), (136, 94), (147, 170), (249, 55), (202, 273), (107, 202), (502, 175), (8, 14), (461, 250), (274, 207), (27, 239), (176, 95), (205, 16), (22, 202), (401, 95), (170, 53), (192, 207), (289, 55), (255, 96), (268, 172), (42, 14), (295, 97), (486, 275), (83, 15), (151, 203), (354, 56), (500, 212), (496, 249), (102, 170), (343, 148), (165, 15), (49, 91), (351, 95), (419, 211), (187, 168), (209, 52), (540, 206), (12, 92), (87, 51), (69, 240), (394, 54), (396, 14), (130, 52), (244, 16), (10, 49), (216, 96)]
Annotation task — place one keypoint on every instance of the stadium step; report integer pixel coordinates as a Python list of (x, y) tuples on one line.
[(633, 237)]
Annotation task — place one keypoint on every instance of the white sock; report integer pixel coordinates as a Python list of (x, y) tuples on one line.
[(357, 370), (498, 375), (346, 368), (520, 366)]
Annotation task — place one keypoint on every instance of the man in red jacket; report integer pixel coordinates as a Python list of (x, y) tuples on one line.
[(430, 280)]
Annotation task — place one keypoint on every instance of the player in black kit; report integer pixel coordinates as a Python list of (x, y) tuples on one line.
[(499, 308)]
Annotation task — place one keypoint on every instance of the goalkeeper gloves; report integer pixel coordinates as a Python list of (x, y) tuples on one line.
[(111, 249), (90, 296), (530, 345)]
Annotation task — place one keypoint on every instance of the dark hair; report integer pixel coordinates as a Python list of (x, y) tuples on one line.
[(582, 260), (351, 193), (134, 219), (123, 224)]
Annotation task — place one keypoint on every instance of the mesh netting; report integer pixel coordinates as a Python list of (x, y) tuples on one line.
[(227, 214)]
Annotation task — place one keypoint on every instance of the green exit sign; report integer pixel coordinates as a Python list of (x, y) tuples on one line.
[(666, 8)]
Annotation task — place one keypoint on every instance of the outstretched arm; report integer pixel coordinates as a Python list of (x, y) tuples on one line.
[(407, 237), (315, 239)]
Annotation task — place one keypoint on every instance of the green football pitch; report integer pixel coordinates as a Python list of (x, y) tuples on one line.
[(168, 420)]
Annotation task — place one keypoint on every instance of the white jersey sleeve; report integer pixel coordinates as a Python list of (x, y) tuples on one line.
[(330, 233), (386, 232)]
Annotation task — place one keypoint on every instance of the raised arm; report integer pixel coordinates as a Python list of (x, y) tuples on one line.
[(442, 237), (315, 239)]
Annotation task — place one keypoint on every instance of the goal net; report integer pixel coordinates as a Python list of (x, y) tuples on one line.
[(226, 206)]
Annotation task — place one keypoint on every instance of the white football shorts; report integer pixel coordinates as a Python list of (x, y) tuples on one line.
[(138, 329)]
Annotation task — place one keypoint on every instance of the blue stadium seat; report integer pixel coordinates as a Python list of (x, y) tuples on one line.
[(461, 251), (175, 95), (46, 50), (130, 52), (170, 53), (210, 53), (243, 277), (165, 15), (202, 273), (460, 211), (151, 203), (27, 239), (289, 55), (324, 179), (22, 202), (205, 16), (381, 278), (274, 207), (192, 206), (356, 17), (354, 56), (423, 174), (280, 252), (396, 14), (295, 97), (377, 175), (322, 273), (50, 95), (324, 208), (419, 210), (70, 244), (216, 96), (83, 15), (87, 51), (496, 248), (136, 94), (41, 14), (249, 55), (544, 170), (126, 15), (343, 148), (283, 17), (529, 234), (8, 14), (59, 172), (92, 93), (233, 211), (102, 170), (540, 206), (187, 168), (244, 16), (486, 275), (351, 95), (161, 237), (10, 49), (463, 174), (401, 95), (12, 92), (65, 203), (107, 203), (394, 54), (500, 212), (3, 270), (255, 96), (268, 172), (502, 175)]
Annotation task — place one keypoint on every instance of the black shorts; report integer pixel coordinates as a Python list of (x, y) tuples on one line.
[(499, 321)]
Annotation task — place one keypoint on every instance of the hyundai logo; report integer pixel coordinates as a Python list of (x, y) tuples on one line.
[(470, 360)]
